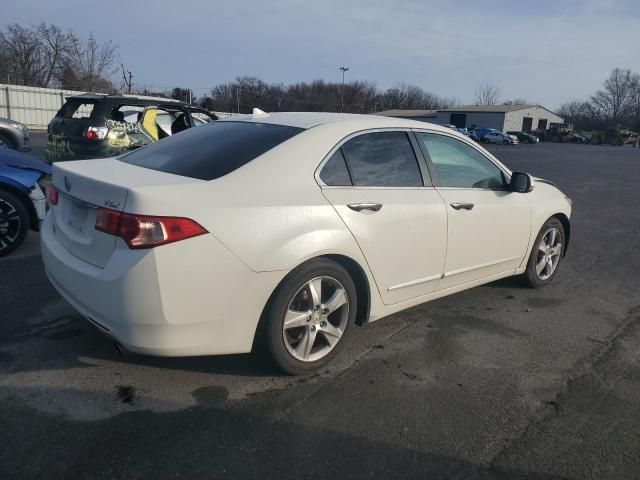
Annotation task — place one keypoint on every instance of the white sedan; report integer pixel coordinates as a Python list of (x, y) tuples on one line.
[(501, 138), (289, 229)]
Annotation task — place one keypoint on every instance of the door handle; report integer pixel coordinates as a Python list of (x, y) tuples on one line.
[(462, 205), (358, 207)]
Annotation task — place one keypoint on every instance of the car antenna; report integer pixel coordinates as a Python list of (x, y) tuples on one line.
[(257, 113)]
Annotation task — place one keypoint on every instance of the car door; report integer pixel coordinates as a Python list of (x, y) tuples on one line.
[(488, 225), (379, 185)]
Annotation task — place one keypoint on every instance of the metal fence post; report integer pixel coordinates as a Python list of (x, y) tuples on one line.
[(8, 103)]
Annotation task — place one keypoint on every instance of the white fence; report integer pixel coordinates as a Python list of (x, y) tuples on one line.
[(34, 106)]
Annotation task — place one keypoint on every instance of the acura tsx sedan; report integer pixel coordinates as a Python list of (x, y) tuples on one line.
[(287, 230)]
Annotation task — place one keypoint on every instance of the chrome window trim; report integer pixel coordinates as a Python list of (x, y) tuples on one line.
[(358, 133)]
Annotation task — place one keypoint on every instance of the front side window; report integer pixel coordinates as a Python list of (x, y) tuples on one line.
[(382, 159), (459, 165), (211, 151)]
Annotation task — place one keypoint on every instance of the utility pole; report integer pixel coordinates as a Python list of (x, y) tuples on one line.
[(238, 99), (342, 69)]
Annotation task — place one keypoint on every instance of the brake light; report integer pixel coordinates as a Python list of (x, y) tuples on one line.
[(145, 231), (53, 194), (97, 133)]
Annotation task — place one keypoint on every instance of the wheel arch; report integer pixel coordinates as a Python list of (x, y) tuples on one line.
[(26, 201), (566, 225), (353, 268), (11, 136)]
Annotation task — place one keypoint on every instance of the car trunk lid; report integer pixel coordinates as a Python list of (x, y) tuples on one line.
[(85, 186)]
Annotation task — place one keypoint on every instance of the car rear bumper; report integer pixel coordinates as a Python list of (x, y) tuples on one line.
[(174, 300)]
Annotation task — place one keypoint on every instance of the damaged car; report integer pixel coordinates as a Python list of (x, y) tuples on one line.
[(98, 126), (23, 183)]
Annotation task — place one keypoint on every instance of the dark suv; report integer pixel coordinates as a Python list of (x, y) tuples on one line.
[(98, 126)]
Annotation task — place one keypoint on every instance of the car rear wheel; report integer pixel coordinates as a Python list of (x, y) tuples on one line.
[(6, 141), (311, 313), (14, 222), (546, 254)]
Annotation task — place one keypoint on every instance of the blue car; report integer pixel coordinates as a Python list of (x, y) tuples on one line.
[(23, 202)]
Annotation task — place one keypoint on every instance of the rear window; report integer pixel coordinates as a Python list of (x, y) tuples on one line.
[(77, 109), (211, 151)]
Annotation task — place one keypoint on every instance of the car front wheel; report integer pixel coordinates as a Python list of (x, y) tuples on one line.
[(546, 254), (14, 222), (312, 311)]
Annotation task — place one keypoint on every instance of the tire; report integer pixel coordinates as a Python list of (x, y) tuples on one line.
[(308, 319), (7, 142), (532, 276), (486, 140), (505, 142), (14, 222)]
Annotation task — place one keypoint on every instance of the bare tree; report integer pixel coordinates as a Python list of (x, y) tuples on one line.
[(487, 94), (56, 45), (90, 64), (614, 101), (21, 48), (34, 55)]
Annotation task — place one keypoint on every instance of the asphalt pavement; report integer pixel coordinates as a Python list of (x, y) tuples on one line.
[(500, 381)]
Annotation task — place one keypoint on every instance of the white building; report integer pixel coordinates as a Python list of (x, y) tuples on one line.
[(505, 118)]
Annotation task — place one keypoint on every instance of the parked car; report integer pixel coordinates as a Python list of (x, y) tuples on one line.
[(343, 219), (524, 137), (98, 126), (22, 197), (502, 138), (464, 131), (480, 133), (575, 138), (14, 135)]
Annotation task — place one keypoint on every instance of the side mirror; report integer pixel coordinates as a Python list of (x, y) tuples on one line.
[(521, 182)]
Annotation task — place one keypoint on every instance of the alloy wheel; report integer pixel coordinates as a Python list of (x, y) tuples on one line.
[(316, 319), (10, 224), (549, 252)]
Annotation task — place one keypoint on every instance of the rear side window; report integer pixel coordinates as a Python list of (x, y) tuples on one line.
[(335, 173), (211, 151), (382, 159)]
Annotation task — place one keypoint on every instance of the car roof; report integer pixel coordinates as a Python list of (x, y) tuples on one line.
[(130, 98), (308, 120)]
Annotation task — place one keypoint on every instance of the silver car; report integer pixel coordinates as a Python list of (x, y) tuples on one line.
[(14, 135)]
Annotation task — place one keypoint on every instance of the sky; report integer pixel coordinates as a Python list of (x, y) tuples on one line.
[(545, 51)]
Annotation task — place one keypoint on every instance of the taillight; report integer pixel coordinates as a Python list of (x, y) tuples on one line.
[(145, 231), (97, 133), (53, 194)]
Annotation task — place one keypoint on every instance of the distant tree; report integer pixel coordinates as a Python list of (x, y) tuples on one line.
[(34, 56), (90, 65), (516, 101), (57, 46), (635, 101), (183, 94), (615, 100), (487, 94), (22, 50)]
